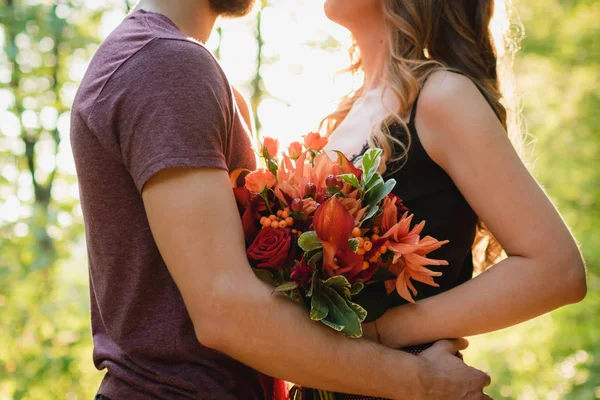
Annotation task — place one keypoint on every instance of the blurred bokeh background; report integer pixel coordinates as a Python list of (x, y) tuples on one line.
[(283, 57)]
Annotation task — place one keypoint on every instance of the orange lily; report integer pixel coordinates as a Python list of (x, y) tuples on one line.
[(333, 225)]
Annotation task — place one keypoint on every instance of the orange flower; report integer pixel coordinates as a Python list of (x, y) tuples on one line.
[(324, 167), (390, 214), (409, 257), (334, 225), (313, 141), (259, 181), (353, 204), (290, 180), (309, 206), (271, 146), (295, 150), (412, 266)]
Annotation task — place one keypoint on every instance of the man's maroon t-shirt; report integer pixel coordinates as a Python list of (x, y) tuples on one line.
[(151, 99)]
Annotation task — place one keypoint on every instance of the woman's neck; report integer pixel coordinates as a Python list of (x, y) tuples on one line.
[(372, 45)]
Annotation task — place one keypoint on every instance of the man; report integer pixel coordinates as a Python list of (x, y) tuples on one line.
[(176, 310)]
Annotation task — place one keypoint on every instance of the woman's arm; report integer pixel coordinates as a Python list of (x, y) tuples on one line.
[(544, 269)]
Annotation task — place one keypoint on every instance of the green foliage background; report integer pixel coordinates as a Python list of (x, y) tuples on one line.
[(45, 343)]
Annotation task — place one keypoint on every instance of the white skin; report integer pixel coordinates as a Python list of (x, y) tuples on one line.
[(460, 132), (193, 216)]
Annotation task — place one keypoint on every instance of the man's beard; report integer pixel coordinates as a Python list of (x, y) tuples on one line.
[(232, 8)]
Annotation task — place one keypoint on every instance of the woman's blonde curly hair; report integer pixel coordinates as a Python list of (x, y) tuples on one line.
[(425, 36)]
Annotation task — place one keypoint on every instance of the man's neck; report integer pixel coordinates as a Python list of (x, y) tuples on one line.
[(194, 18)]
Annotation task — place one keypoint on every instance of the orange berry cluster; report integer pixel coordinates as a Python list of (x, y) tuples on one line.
[(365, 245), (280, 221)]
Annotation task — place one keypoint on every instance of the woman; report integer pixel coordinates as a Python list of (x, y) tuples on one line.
[(431, 101)]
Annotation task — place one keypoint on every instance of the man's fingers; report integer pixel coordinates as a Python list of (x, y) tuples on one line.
[(453, 346), (487, 380), (481, 379), (484, 380)]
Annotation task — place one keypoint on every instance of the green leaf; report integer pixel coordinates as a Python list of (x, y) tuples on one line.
[(265, 276), (356, 288), (314, 281), (318, 306), (272, 165), (309, 241), (372, 183), (380, 192), (295, 296), (318, 309), (353, 243), (334, 191), (335, 326), (350, 179), (265, 153), (360, 312), (315, 259), (286, 287), (372, 211), (370, 163), (337, 282), (341, 314)]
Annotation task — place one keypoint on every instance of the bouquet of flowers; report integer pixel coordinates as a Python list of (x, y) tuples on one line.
[(319, 230)]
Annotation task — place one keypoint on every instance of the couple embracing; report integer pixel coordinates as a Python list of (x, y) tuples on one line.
[(177, 312)]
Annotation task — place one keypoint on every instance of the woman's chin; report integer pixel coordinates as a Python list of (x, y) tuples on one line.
[(348, 12), (332, 11), (328, 7)]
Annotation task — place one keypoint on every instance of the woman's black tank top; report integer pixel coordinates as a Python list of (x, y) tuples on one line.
[(431, 195)]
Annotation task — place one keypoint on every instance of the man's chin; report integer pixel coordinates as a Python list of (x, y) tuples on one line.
[(232, 8)]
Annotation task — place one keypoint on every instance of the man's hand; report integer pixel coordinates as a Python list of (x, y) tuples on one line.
[(451, 378)]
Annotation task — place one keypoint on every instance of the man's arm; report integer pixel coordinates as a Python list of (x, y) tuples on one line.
[(194, 220)]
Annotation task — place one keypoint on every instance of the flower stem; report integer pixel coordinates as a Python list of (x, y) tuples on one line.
[(325, 395), (266, 199)]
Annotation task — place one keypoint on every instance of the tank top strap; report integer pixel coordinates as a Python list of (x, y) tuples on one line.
[(413, 112)]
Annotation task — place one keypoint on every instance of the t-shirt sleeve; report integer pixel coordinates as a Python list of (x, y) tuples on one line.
[(168, 106)]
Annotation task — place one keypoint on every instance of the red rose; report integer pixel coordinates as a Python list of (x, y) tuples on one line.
[(272, 248)]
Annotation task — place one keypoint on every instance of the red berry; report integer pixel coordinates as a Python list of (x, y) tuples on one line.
[(311, 189), (339, 183), (297, 205), (331, 182)]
